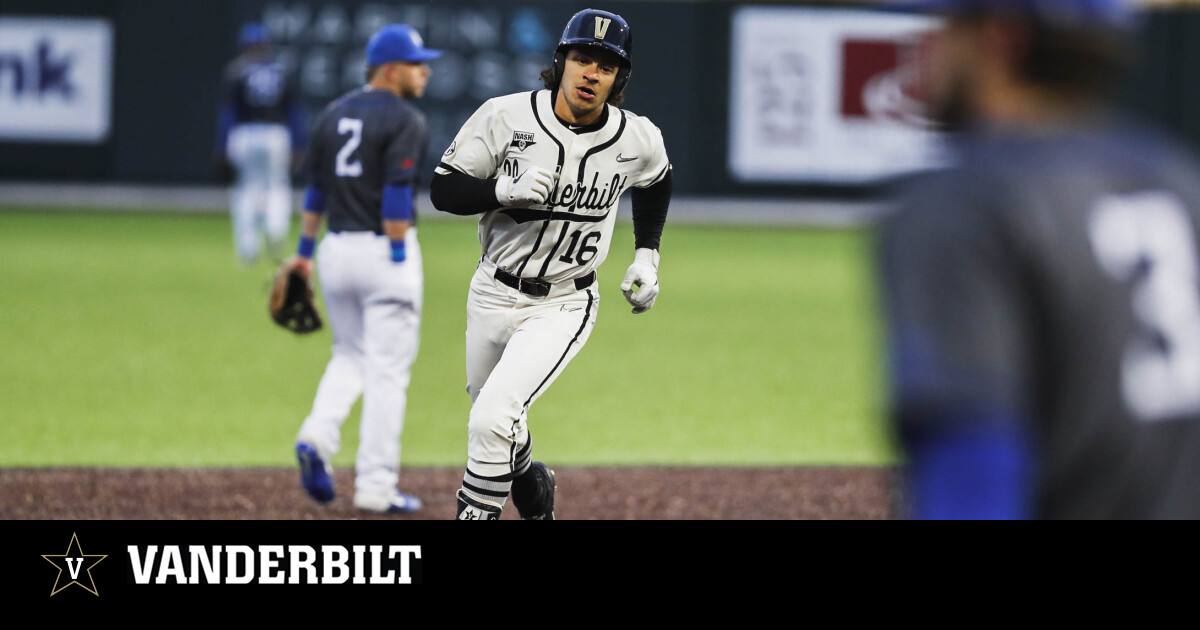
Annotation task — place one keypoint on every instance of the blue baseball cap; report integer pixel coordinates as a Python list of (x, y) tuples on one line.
[(398, 42), (1115, 15), (253, 34)]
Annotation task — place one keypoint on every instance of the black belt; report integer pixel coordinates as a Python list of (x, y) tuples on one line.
[(539, 288)]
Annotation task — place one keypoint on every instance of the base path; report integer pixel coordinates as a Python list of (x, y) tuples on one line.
[(616, 493)]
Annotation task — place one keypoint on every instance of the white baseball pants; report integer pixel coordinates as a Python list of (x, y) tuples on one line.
[(517, 346), (261, 199), (374, 313)]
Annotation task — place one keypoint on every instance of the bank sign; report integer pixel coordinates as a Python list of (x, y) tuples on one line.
[(55, 80)]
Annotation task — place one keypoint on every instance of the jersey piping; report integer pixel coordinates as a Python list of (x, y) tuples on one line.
[(562, 158)]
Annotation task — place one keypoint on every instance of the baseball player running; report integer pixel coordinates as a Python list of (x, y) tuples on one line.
[(366, 150), (261, 126), (1044, 293), (544, 169)]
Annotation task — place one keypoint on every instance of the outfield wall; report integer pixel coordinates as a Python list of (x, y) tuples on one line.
[(707, 210), (765, 100)]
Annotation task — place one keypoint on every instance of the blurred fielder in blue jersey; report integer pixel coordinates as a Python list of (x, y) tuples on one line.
[(261, 133), (368, 150), (1043, 293)]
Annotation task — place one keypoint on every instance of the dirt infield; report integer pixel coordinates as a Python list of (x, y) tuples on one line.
[(583, 494)]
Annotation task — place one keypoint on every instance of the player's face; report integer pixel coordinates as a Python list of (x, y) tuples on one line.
[(412, 78), (587, 81)]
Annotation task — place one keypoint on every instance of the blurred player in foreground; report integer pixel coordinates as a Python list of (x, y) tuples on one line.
[(261, 134), (1043, 294), (367, 148)]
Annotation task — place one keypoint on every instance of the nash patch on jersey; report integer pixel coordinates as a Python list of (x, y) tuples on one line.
[(450, 151), (522, 139)]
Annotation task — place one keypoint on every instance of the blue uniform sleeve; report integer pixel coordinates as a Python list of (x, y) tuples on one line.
[(975, 465), (397, 202), (398, 206), (961, 348), (314, 199)]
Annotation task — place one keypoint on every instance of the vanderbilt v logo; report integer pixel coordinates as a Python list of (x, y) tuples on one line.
[(75, 562), (602, 26)]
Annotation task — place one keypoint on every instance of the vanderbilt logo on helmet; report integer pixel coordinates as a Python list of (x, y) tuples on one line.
[(522, 139), (602, 26)]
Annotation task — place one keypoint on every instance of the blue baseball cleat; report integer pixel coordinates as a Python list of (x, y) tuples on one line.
[(316, 475)]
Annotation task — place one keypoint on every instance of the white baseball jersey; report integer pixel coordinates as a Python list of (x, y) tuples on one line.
[(569, 235)]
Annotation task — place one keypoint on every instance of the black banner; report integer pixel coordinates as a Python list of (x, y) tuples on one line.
[(100, 565)]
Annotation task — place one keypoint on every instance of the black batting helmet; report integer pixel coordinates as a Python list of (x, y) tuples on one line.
[(593, 27)]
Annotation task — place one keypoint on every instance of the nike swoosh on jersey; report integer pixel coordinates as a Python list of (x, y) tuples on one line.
[(625, 159)]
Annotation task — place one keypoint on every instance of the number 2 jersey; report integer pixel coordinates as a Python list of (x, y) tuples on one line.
[(1054, 280), (569, 235), (364, 140)]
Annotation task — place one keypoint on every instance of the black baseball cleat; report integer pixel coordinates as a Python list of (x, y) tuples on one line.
[(472, 509), (536, 503)]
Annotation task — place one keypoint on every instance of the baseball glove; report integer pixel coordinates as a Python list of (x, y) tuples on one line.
[(291, 303)]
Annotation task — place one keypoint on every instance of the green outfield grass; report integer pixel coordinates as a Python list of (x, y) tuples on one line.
[(139, 340)]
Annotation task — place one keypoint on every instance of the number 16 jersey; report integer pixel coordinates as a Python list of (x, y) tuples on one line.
[(568, 236)]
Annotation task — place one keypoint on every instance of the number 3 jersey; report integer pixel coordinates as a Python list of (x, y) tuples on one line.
[(364, 140), (569, 235), (1055, 279)]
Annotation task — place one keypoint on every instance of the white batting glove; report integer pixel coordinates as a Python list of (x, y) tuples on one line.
[(530, 188), (643, 274)]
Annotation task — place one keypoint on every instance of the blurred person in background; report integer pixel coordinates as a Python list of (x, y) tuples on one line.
[(260, 138), (1042, 295), (368, 148)]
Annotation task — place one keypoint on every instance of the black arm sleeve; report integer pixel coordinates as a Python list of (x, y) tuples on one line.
[(650, 212), (462, 194)]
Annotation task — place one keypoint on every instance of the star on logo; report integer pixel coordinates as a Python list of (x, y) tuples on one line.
[(74, 562)]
